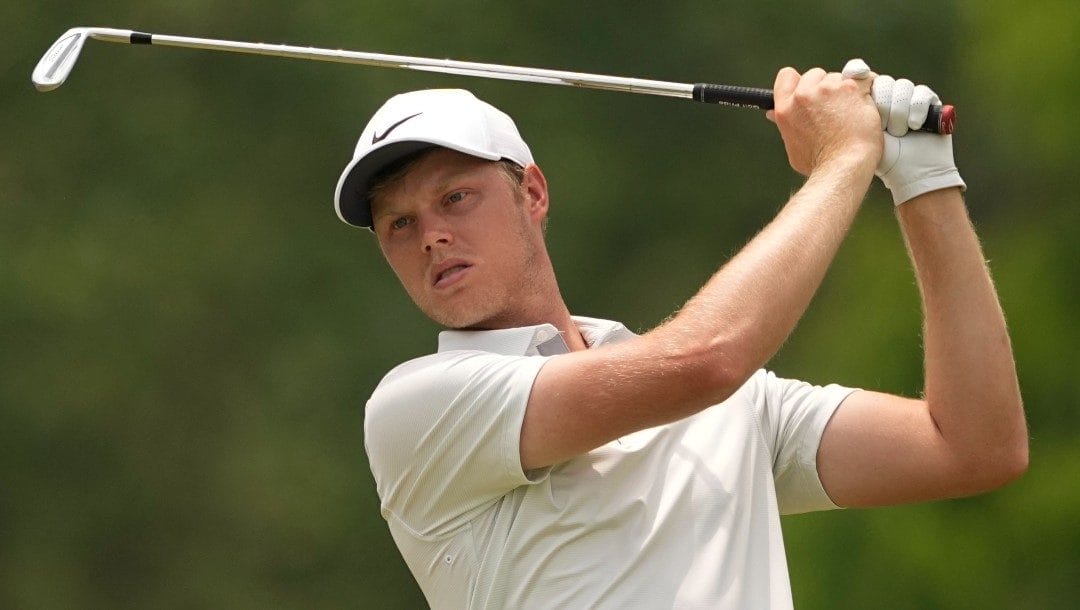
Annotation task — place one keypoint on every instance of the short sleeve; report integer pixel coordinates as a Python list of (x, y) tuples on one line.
[(793, 419), (442, 436)]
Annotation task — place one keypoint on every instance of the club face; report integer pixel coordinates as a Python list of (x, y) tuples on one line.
[(56, 64)]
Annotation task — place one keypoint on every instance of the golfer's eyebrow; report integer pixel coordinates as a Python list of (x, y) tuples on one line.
[(385, 212), (446, 181), (441, 184)]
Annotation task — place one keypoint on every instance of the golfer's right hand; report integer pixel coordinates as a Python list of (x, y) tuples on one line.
[(824, 117)]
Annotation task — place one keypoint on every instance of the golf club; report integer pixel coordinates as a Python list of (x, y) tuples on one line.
[(58, 61)]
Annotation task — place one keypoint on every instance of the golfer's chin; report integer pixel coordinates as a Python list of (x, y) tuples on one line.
[(455, 312)]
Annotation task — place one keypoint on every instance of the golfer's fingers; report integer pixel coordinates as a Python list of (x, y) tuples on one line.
[(922, 97), (811, 79), (882, 93), (784, 85), (833, 81), (867, 84), (856, 69), (901, 107)]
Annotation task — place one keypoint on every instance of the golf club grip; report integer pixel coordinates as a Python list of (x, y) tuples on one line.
[(939, 119), (732, 95)]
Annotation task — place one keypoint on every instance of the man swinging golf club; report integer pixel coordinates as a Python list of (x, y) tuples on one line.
[(540, 459)]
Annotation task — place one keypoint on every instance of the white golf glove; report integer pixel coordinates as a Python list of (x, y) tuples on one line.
[(914, 162)]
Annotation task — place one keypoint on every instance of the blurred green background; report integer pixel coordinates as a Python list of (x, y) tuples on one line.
[(189, 334)]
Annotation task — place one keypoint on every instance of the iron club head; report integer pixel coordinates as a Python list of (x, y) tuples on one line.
[(55, 65)]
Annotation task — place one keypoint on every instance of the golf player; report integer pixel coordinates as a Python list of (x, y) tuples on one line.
[(546, 460)]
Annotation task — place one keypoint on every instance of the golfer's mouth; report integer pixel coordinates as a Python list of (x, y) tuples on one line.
[(449, 273)]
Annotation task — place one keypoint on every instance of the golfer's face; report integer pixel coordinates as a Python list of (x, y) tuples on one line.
[(454, 232)]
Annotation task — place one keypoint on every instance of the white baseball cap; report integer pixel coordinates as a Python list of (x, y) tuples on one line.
[(410, 122)]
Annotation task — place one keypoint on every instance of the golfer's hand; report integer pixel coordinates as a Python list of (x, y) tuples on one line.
[(914, 162), (824, 117)]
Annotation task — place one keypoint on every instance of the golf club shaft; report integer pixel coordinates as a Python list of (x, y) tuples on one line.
[(939, 120)]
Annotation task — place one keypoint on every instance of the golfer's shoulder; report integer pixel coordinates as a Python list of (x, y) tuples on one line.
[(758, 395), (446, 375), (755, 388)]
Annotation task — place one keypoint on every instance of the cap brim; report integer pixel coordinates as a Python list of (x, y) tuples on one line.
[(351, 197)]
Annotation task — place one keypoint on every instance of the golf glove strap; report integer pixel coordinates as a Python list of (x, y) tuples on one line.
[(914, 162)]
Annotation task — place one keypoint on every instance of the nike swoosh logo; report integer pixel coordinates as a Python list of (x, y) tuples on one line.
[(376, 138)]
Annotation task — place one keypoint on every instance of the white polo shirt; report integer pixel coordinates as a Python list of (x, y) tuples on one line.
[(685, 515)]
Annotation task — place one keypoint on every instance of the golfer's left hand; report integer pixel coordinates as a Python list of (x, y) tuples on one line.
[(914, 162)]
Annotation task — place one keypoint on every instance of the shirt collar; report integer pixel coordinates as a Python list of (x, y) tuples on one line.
[(542, 339)]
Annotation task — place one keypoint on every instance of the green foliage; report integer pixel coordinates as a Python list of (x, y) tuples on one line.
[(189, 334)]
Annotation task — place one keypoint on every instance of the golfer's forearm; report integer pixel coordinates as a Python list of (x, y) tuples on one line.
[(971, 386), (742, 316), (710, 348)]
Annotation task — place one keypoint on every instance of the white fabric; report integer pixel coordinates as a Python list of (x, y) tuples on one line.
[(921, 162), (408, 122), (683, 515), (856, 69), (913, 162), (902, 104)]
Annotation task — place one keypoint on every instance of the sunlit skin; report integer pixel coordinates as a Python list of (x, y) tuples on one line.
[(468, 245)]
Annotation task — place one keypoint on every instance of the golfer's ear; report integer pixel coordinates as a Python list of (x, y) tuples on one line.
[(536, 191)]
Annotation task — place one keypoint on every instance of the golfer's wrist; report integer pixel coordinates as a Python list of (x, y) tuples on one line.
[(854, 163), (945, 179), (929, 201)]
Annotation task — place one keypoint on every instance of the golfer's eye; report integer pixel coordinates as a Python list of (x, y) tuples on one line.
[(400, 223), (455, 197)]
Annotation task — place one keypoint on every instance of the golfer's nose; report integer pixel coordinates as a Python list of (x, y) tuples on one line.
[(436, 234)]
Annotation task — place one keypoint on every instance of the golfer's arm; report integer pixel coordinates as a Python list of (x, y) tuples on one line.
[(968, 433), (735, 323)]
